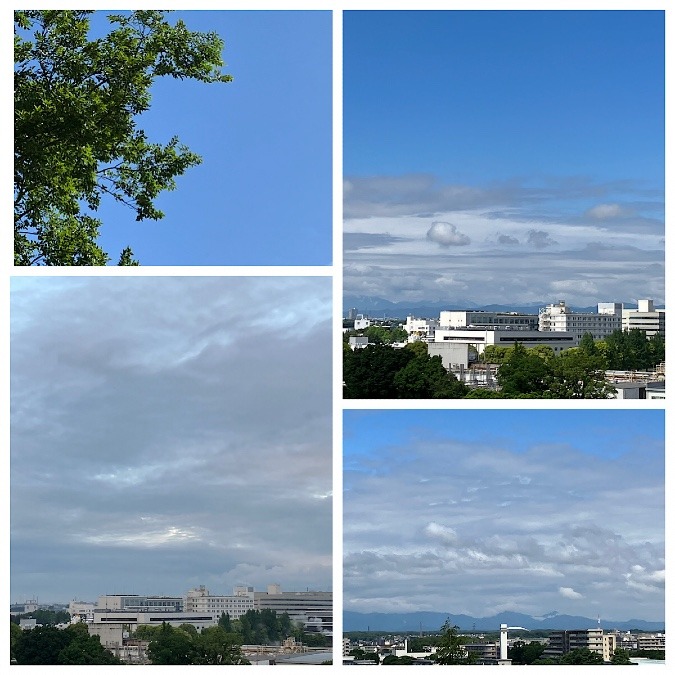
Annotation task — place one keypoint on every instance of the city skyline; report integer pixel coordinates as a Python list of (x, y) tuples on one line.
[(160, 440), (504, 156), (482, 511)]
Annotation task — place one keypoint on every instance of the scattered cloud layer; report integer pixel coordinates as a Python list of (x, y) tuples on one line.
[(517, 241), (168, 432), (442, 525)]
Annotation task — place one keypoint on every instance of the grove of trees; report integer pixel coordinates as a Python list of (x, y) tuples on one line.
[(48, 645), (381, 371), (187, 646), (76, 140), (221, 644), (44, 617)]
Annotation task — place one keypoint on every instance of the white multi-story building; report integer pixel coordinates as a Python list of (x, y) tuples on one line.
[(200, 600), (482, 319), (559, 318), (81, 611), (314, 609), (646, 318), (139, 603), (361, 322), (651, 641), (478, 338), (420, 329), (596, 640)]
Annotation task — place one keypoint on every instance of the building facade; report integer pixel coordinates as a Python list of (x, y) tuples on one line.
[(479, 338), (482, 319), (314, 609), (645, 318), (560, 318), (236, 605), (562, 642)]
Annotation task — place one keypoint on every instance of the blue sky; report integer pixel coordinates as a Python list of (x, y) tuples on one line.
[(531, 135), (263, 194), (530, 511), (602, 433)]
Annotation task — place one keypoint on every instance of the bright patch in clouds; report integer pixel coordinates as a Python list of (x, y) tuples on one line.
[(569, 593)]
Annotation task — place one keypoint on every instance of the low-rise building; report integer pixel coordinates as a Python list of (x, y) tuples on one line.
[(479, 338), (81, 611), (420, 329), (140, 603)]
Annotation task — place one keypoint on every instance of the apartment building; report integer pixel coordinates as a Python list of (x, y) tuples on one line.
[(562, 642)]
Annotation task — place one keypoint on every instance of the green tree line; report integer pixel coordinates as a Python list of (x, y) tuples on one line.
[(185, 645), (48, 645), (222, 643), (44, 617), (381, 371)]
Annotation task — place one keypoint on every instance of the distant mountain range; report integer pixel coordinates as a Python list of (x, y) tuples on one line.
[(379, 307), (432, 621)]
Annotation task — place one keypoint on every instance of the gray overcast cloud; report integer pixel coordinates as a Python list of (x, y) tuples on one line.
[(168, 432)]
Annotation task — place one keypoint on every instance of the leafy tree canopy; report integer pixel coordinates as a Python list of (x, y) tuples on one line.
[(171, 646), (381, 371), (450, 649), (621, 657), (523, 372), (48, 645), (581, 656), (526, 653), (76, 139), (44, 617)]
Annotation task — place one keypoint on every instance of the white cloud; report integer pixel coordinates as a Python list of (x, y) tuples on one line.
[(607, 211), (441, 532), (447, 234), (569, 593)]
